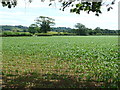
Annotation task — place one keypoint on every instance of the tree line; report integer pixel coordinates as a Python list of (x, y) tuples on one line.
[(16, 28), (43, 25)]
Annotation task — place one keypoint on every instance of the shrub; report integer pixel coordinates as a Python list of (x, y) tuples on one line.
[(6, 34), (43, 34)]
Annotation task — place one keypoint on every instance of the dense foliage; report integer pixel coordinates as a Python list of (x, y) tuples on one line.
[(44, 23), (17, 28), (11, 34), (33, 28), (49, 62), (82, 30), (61, 29), (77, 5), (87, 6), (58, 31)]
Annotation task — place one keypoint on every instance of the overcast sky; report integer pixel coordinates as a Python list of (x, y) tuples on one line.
[(25, 14)]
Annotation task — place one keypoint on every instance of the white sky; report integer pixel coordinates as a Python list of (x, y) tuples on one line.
[(25, 14)]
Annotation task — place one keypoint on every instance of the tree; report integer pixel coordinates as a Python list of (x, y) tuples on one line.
[(77, 5), (90, 31), (81, 29), (45, 23), (98, 30), (33, 28)]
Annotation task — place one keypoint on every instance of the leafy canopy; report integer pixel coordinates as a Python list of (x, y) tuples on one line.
[(81, 29), (76, 5), (33, 28), (44, 23)]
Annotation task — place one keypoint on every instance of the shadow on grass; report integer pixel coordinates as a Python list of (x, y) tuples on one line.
[(37, 80)]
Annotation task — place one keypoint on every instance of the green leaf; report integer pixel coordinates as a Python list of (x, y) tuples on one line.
[(79, 5), (97, 14), (9, 6)]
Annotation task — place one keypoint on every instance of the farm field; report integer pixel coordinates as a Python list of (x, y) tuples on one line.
[(60, 62)]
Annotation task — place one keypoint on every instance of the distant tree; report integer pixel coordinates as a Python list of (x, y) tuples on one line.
[(24, 30), (118, 31), (98, 31), (90, 31), (33, 28), (45, 23), (81, 29)]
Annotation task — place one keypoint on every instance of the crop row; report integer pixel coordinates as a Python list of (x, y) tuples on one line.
[(91, 58)]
